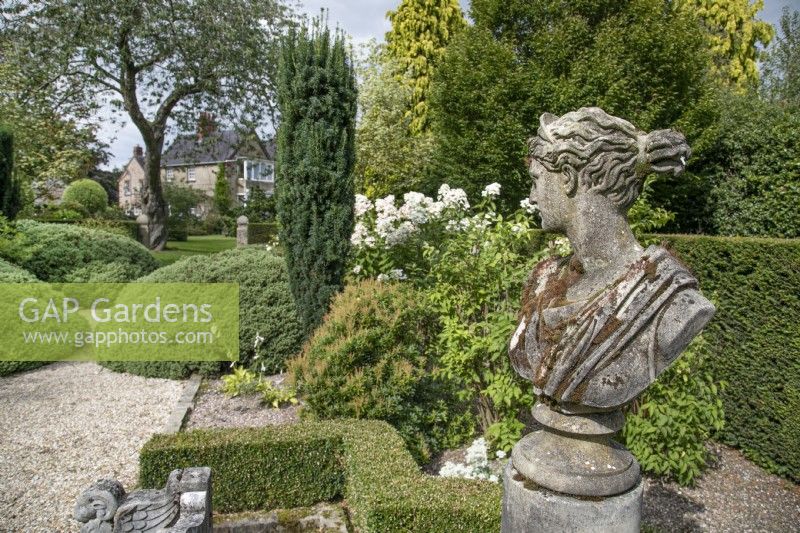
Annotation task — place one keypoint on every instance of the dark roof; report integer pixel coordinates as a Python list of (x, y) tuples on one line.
[(219, 146)]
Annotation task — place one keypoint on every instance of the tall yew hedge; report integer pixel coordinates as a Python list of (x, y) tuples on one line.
[(754, 339), (316, 154)]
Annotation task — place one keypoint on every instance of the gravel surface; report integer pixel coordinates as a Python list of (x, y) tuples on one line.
[(66, 425), (213, 409), (733, 496)]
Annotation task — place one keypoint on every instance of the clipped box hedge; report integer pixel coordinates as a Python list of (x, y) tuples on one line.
[(755, 336), (364, 462), (261, 232)]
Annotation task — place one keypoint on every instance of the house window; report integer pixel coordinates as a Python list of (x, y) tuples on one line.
[(170, 175), (259, 171), (190, 175), (127, 188)]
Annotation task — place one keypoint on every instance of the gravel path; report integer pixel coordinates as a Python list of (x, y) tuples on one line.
[(213, 409), (734, 496), (63, 427)]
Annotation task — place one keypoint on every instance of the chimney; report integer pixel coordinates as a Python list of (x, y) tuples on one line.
[(138, 152), (206, 125)]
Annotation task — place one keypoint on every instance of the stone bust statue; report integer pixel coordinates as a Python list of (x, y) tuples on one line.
[(598, 327)]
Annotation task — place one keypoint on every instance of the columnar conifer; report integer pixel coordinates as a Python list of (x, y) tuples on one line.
[(222, 192), (9, 188), (316, 153)]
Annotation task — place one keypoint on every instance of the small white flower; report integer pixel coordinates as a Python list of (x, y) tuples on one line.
[(383, 277), (528, 206), (357, 269), (258, 341), (454, 198), (398, 274), (362, 205), (500, 454), (360, 236), (491, 191)]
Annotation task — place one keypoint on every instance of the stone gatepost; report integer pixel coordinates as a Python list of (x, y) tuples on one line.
[(144, 229), (241, 231), (596, 328)]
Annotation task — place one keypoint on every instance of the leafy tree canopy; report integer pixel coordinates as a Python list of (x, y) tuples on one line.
[(157, 61), (389, 158), (735, 35), (781, 69), (633, 58), (420, 32)]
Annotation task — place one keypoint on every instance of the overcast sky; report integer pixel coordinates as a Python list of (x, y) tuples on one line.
[(362, 20)]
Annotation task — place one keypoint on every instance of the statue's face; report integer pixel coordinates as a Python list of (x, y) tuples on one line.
[(548, 193)]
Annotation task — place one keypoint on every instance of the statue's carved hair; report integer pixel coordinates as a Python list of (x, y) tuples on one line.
[(594, 151)]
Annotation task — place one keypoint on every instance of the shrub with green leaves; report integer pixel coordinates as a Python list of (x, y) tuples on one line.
[(269, 332), (88, 194), (67, 253), (668, 426), (13, 274), (373, 358)]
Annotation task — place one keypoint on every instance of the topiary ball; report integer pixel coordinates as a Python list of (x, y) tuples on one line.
[(88, 194)]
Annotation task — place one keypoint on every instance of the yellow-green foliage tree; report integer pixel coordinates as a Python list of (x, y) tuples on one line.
[(389, 158), (734, 33), (420, 32)]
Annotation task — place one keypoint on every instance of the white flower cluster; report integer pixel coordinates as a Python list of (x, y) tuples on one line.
[(529, 208), (477, 466), (491, 191), (363, 205), (455, 198), (395, 225), (361, 237), (561, 246), (396, 274)]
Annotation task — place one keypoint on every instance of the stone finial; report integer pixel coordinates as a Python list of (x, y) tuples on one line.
[(183, 506), (143, 221), (242, 229), (598, 327)]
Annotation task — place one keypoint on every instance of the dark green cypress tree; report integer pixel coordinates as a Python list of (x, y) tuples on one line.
[(10, 198), (316, 154)]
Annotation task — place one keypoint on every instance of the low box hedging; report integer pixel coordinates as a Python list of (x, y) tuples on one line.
[(261, 232), (291, 466), (754, 339)]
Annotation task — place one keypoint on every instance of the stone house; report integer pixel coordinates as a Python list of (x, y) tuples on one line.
[(194, 161), (129, 185)]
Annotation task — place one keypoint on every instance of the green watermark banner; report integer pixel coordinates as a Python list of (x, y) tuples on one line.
[(119, 321)]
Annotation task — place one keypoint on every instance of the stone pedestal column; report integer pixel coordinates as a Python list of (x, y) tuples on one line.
[(570, 476), (528, 508), (242, 230)]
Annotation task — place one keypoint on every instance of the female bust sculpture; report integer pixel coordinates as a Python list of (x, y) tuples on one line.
[(598, 327)]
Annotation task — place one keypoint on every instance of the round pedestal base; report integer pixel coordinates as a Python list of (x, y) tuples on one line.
[(528, 508), (580, 465)]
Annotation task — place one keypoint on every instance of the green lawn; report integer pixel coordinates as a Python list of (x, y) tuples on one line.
[(206, 244)]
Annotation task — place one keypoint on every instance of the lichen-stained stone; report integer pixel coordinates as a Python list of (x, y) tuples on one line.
[(598, 327)]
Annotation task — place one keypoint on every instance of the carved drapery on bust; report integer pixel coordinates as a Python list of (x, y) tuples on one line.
[(604, 351)]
